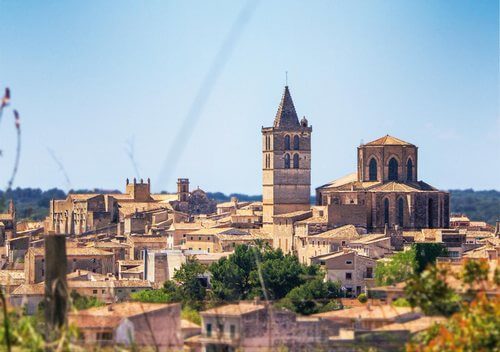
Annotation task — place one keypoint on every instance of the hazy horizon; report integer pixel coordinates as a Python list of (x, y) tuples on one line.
[(89, 77)]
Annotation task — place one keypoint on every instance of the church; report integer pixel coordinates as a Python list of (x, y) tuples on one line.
[(384, 192)]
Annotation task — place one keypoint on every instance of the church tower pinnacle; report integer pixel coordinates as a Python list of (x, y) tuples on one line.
[(286, 162)]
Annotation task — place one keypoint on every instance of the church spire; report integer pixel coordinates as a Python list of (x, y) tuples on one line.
[(286, 116)]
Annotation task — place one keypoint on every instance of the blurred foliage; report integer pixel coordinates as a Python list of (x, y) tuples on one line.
[(80, 302), (431, 293), (396, 269), (475, 328)]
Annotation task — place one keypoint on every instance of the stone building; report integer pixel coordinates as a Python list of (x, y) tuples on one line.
[(385, 191), (286, 163), (8, 224), (129, 212), (83, 258), (354, 271), (254, 326), (130, 324)]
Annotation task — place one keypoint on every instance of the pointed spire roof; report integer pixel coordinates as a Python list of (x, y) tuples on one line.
[(286, 116)]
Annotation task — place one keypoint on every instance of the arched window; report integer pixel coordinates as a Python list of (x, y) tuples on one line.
[(372, 173), (401, 211), (296, 142), (409, 170), (287, 161), (393, 170), (296, 161), (287, 142), (430, 214), (386, 211)]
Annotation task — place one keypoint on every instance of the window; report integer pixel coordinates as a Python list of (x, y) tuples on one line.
[(296, 161), (372, 170), (232, 331), (348, 276), (94, 292), (287, 161), (343, 243), (103, 291), (209, 330), (287, 142), (393, 169), (369, 273), (133, 290), (199, 238), (104, 336), (386, 211), (296, 142), (409, 170), (401, 211), (348, 262), (221, 328), (322, 262)]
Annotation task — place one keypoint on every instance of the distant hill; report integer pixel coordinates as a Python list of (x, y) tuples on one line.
[(33, 203)]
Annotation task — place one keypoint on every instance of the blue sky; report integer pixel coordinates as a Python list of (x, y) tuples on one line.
[(87, 76)]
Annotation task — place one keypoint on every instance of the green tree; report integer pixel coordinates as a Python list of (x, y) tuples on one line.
[(280, 273), (398, 268), (80, 302), (312, 296), (189, 277), (231, 276), (426, 254), (431, 293)]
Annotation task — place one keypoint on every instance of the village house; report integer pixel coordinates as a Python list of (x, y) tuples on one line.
[(374, 246), (140, 243), (354, 271), (255, 326), (309, 246), (131, 323), (84, 258), (217, 240), (29, 296)]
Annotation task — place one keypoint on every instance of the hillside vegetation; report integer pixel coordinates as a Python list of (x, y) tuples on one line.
[(33, 203)]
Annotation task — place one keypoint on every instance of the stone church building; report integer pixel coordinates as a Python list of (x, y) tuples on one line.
[(385, 190)]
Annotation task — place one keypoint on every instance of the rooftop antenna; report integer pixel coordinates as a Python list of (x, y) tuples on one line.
[(286, 78)]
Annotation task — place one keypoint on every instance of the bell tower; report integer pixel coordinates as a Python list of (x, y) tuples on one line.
[(286, 163)]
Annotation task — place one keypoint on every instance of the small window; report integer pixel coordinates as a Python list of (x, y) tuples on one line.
[(348, 276), (209, 330), (343, 243), (133, 290), (94, 292), (232, 331), (322, 262), (103, 291), (348, 262), (221, 328), (199, 238)]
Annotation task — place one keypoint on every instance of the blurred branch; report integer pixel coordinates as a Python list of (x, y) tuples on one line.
[(18, 150), (131, 155), (61, 167), (191, 119)]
